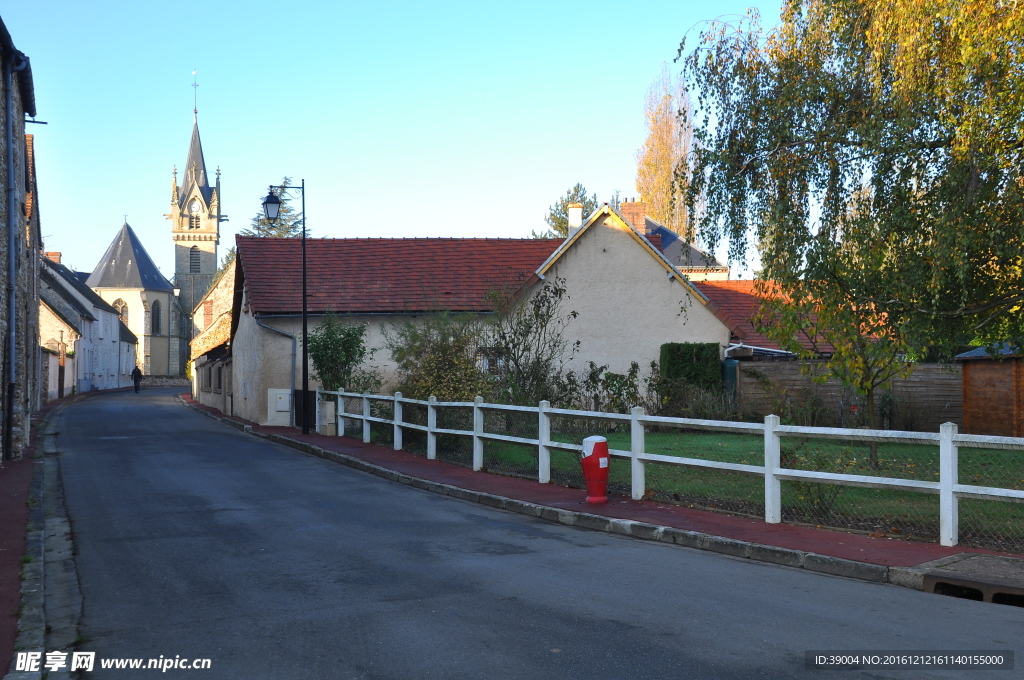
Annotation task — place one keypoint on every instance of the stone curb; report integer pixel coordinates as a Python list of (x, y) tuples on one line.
[(907, 577)]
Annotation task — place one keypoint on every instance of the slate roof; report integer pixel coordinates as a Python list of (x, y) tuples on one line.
[(86, 292), (1003, 350), (125, 334), (736, 303), (56, 311), (52, 282), (195, 170), (126, 264), (681, 254), (387, 275)]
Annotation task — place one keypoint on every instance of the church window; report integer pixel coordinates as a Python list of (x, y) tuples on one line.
[(155, 318), (193, 221), (193, 260), (122, 309)]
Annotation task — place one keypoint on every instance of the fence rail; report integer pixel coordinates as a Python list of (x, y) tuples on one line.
[(771, 434)]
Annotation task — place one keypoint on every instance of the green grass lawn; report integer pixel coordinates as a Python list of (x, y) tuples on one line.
[(995, 524), (992, 524)]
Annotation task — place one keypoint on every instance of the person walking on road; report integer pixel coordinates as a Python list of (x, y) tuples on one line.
[(137, 378)]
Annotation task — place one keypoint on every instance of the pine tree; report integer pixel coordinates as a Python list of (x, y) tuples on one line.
[(287, 225), (558, 214)]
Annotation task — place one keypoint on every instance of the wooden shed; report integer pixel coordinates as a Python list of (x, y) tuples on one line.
[(993, 388)]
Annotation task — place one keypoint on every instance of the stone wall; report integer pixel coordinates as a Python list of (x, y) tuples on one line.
[(165, 381), (27, 247)]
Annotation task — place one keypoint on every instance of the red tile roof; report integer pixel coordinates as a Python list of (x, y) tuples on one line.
[(737, 303), (367, 275)]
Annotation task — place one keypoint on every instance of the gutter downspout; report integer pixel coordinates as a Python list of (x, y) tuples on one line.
[(16, 62), (291, 396)]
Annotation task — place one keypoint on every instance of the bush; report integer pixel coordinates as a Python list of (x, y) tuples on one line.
[(692, 363), (438, 356), (529, 350), (337, 350)]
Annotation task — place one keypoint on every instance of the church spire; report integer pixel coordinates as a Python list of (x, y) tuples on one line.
[(195, 169)]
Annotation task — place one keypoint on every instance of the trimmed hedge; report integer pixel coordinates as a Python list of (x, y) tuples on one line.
[(694, 363)]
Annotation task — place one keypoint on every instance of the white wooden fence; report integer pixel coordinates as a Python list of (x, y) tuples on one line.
[(947, 438)]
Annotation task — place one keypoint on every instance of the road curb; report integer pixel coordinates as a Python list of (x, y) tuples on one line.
[(906, 577)]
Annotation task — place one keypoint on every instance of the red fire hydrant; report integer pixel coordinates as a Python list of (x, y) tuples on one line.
[(595, 468)]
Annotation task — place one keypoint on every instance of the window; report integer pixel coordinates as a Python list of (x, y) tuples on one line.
[(193, 221), (122, 309), (490, 360), (193, 260), (155, 318)]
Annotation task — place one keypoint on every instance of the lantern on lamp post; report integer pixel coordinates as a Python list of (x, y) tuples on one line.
[(272, 210)]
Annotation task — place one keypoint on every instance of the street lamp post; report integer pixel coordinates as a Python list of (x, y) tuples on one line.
[(272, 209)]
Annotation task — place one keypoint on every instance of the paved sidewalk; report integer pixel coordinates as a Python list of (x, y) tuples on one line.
[(15, 479), (883, 552)]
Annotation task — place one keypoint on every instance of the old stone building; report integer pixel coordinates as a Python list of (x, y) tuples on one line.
[(20, 246), (212, 383)]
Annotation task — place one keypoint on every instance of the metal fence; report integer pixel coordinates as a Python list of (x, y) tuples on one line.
[(945, 486)]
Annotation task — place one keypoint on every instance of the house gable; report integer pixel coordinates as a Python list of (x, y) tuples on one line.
[(628, 298), (608, 218)]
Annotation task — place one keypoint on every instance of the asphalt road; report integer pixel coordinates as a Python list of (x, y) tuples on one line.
[(196, 540)]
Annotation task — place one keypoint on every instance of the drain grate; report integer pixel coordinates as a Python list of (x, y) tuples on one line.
[(972, 589)]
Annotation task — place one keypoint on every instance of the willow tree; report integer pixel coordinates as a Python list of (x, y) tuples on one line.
[(662, 169), (908, 114)]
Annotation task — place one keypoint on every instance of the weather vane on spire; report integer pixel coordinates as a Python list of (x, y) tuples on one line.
[(195, 93)]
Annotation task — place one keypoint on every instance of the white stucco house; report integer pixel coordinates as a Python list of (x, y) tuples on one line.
[(630, 298), (89, 346)]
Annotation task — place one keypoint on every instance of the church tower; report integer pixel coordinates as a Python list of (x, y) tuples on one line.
[(195, 226)]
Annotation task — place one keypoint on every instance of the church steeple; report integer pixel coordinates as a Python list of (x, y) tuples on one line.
[(195, 169), (195, 225)]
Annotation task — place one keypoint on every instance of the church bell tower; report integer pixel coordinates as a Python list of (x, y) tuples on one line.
[(195, 226)]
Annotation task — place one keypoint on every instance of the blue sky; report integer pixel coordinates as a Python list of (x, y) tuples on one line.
[(405, 119)]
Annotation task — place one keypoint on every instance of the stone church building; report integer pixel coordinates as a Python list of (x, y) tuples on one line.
[(156, 310), (128, 280), (195, 226)]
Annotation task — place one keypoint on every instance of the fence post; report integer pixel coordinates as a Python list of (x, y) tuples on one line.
[(772, 462), (366, 414), (543, 437), (431, 426), (636, 447), (478, 428), (316, 414), (948, 473), (396, 442), (339, 408)]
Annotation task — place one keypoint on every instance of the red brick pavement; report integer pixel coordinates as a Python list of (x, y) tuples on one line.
[(883, 551)]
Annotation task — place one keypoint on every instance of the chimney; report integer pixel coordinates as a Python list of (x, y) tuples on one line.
[(575, 215), (53, 256), (635, 213)]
